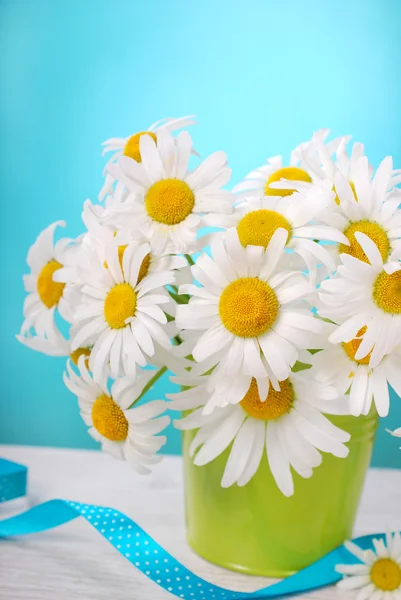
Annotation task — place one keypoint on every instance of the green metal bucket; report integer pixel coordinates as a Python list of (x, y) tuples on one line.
[(258, 531)]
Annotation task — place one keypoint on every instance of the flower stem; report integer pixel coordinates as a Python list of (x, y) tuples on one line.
[(189, 259), (147, 387)]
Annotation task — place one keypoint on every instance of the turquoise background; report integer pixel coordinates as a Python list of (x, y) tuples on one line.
[(260, 75)]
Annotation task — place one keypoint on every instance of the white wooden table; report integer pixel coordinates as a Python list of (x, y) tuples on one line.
[(73, 562)]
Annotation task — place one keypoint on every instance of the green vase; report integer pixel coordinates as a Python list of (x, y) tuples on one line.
[(257, 530)]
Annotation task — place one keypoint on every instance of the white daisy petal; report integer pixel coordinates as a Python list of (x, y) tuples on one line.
[(256, 454), (294, 459), (354, 583), (240, 454), (279, 362), (216, 338), (358, 392), (221, 439), (305, 449), (370, 249), (320, 440), (184, 148), (353, 569), (355, 550), (380, 392), (151, 160), (273, 253), (278, 461), (236, 253), (147, 411)]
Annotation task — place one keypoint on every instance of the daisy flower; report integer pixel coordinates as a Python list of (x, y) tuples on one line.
[(377, 574), (60, 269), (126, 433), (365, 294), (120, 313), (337, 365), (94, 244), (326, 168), (129, 146), (276, 179), (364, 206), (45, 295), (250, 313), (256, 219), (168, 200), (288, 424)]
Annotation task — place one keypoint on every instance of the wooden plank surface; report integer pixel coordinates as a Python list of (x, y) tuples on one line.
[(74, 563)]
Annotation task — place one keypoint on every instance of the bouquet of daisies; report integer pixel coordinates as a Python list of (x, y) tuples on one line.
[(273, 304)]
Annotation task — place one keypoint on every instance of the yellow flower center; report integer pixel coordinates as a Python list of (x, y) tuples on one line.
[(337, 199), (131, 148), (291, 173), (351, 348), (276, 404), (372, 230), (120, 304), (257, 227), (109, 420), (76, 355), (169, 201), (387, 292), (248, 307), (385, 574), (50, 291)]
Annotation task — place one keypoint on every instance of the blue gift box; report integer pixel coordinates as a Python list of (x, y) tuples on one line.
[(13, 480)]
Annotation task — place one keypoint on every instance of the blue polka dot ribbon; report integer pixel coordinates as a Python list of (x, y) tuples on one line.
[(142, 551)]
